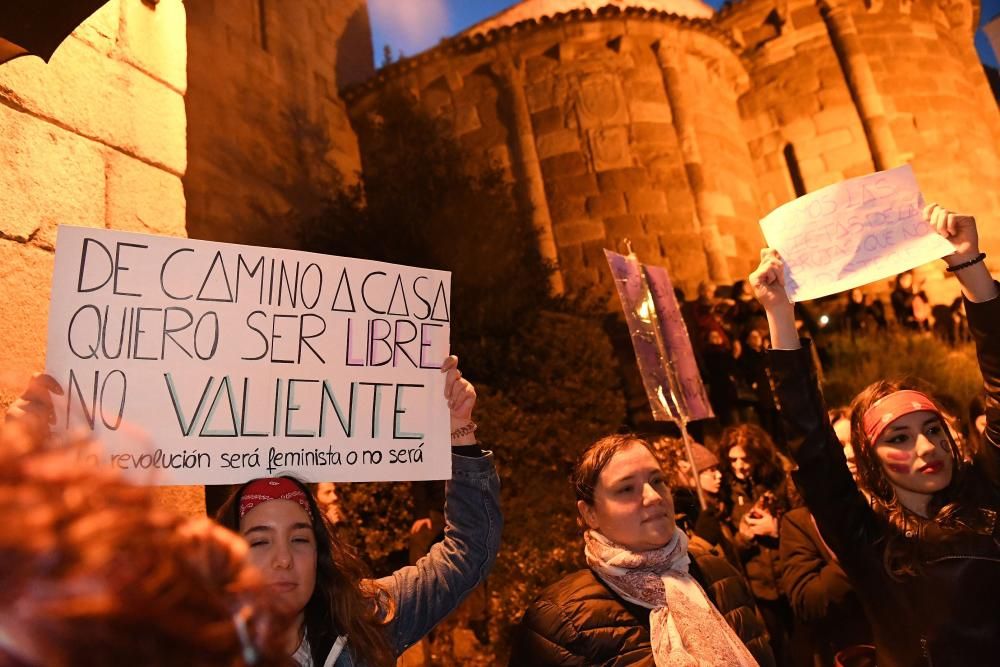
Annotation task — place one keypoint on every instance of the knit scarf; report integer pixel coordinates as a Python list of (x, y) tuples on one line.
[(686, 630)]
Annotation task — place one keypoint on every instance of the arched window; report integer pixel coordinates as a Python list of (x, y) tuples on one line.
[(262, 22), (794, 173)]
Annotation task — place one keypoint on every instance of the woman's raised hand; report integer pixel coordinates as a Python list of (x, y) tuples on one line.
[(768, 281), (768, 284), (957, 228), (966, 261), (34, 412), (461, 397)]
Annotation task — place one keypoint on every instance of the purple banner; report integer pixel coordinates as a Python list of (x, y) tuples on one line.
[(660, 339)]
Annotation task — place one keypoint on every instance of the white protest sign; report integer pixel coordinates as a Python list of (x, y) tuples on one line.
[(852, 233), (195, 362)]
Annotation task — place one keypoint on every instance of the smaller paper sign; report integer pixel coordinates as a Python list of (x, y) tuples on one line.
[(852, 233), (684, 392)]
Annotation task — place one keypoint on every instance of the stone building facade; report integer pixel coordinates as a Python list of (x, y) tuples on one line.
[(95, 138), (267, 129), (644, 119)]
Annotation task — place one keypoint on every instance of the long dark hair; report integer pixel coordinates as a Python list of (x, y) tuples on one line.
[(766, 469), (345, 599), (963, 492)]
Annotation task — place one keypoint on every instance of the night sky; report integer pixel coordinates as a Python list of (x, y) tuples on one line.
[(414, 25)]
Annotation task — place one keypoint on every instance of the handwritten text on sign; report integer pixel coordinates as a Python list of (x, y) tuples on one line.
[(852, 233), (196, 362)]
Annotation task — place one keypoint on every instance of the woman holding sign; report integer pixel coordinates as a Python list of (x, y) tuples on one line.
[(342, 618), (924, 551)]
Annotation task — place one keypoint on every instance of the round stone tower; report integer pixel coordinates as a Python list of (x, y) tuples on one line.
[(616, 123), (678, 128)]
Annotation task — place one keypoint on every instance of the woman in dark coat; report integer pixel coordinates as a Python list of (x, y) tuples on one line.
[(757, 492), (644, 599), (923, 550)]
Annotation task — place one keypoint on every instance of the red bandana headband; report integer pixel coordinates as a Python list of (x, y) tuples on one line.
[(890, 408), (272, 488)]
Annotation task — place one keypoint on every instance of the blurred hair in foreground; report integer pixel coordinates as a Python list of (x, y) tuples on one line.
[(93, 572)]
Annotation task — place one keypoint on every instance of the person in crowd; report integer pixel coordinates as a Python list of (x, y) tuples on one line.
[(909, 304), (830, 619), (757, 491), (746, 314), (643, 599), (706, 312), (920, 547), (705, 528), (720, 375), (94, 572), (862, 314), (752, 367), (340, 616)]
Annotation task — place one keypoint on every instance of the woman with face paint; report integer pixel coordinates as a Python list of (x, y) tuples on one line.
[(923, 548)]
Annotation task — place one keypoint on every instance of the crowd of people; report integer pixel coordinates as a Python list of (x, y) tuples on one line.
[(730, 337), (864, 535)]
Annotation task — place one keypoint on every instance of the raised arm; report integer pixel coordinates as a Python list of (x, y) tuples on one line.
[(983, 309), (842, 512), (427, 592)]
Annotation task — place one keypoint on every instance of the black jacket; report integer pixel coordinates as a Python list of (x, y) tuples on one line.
[(825, 605), (949, 613), (580, 621)]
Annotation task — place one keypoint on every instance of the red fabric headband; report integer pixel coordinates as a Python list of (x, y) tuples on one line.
[(272, 488), (890, 408)]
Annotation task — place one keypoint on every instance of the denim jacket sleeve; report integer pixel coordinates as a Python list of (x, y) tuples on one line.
[(427, 592), (845, 518)]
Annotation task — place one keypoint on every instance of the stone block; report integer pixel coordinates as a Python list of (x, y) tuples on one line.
[(649, 112), (142, 198), (719, 204), (103, 99), (25, 277), (47, 177), (804, 16), (620, 226), (618, 180), (154, 39), (646, 201), (99, 30), (187, 500), (841, 158), (557, 143), (653, 133), (576, 233), (566, 209), (571, 186), (828, 141), (602, 206), (548, 120), (541, 96), (567, 164), (466, 120), (799, 130)]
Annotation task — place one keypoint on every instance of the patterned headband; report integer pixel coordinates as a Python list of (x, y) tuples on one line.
[(272, 488), (890, 408)]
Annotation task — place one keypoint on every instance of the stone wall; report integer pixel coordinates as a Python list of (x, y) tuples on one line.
[(95, 138), (268, 131), (613, 126), (680, 133), (851, 86)]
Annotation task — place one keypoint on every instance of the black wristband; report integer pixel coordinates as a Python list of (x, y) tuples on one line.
[(964, 265)]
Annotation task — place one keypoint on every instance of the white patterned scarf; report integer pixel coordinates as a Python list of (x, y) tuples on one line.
[(686, 630)]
